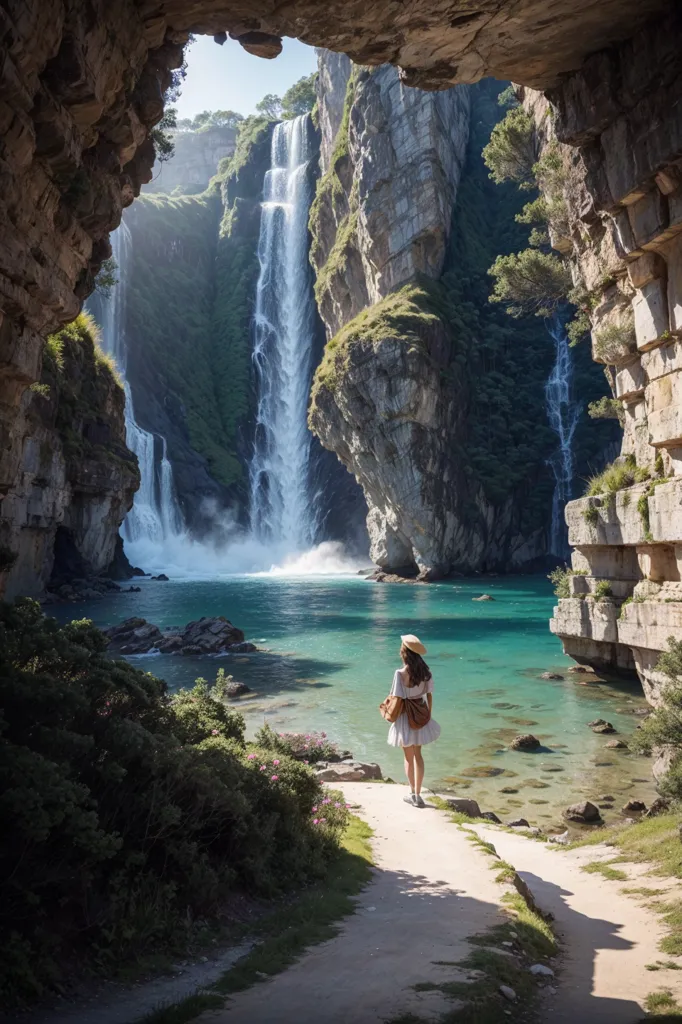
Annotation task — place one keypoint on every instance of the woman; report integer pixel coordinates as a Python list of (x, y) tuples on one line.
[(413, 682)]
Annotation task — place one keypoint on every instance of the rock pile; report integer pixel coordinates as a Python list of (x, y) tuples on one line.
[(87, 589), (205, 636), (347, 771)]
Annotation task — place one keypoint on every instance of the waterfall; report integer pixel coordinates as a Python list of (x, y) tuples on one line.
[(284, 322), (563, 414), (155, 514)]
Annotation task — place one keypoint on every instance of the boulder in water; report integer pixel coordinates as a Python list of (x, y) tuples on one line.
[(603, 728), (162, 576), (551, 675), (483, 597), (583, 813), (525, 742), (214, 635), (464, 806)]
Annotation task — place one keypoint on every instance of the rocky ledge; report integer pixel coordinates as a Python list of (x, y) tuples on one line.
[(214, 635)]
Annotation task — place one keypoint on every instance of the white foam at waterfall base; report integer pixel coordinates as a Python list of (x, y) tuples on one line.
[(181, 557)]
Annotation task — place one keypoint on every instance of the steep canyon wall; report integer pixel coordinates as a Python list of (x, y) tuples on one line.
[(431, 397)]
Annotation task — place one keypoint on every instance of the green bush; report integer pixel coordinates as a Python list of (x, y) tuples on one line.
[(606, 409), (530, 282), (616, 476), (663, 728), (511, 153), (125, 813), (560, 577), (602, 589)]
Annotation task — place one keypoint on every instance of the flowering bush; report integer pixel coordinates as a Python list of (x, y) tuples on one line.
[(310, 747), (126, 812)]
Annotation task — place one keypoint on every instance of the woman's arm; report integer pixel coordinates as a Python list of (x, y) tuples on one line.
[(429, 697)]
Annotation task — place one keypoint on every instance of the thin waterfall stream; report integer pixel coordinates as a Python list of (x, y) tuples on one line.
[(155, 514), (563, 413), (282, 512)]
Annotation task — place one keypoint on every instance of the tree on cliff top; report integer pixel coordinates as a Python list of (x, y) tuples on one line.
[(270, 106), (300, 97)]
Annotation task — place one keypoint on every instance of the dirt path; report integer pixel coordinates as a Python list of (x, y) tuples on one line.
[(432, 890), (608, 937)]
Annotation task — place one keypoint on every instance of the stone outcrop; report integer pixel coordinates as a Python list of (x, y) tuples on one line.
[(214, 635), (76, 476), (624, 142), (195, 160)]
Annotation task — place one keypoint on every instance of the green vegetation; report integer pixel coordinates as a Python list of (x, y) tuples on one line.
[(662, 1003), (511, 153), (287, 933), (616, 476), (607, 409), (210, 119), (578, 328), (560, 577), (162, 135), (600, 867), (308, 747), (663, 727), (106, 277), (300, 97), (530, 282), (602, 589), (154, 802)]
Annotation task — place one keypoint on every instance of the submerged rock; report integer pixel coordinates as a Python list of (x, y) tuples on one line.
[(634, 805), (551, 675), (603, 728), (483, 597), (491, 816), (617, 745), (518, 823), (214, 635), (526, 741)]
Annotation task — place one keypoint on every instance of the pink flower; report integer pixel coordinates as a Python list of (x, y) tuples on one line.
[(263, 767), (214, 732), (337, 804), (314, 809), (275, 762), (316, 821), (322, 819), (348, 806), (273, 778), (323, 735), (306, 762), (319, 743), (307, 736), (326, 800), (305, 746), (251, 757)]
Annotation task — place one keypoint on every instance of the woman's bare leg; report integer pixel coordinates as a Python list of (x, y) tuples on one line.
[(418, 768), (408, 754)]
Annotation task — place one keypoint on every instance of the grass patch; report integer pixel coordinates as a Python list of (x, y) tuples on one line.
[(642, 890), (664, 965), (617, 476), (661, 1002), (314, 918), (506, 873), (598, 867)]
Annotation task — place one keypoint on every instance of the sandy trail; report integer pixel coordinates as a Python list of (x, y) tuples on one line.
[(608, 937), (431, 890)]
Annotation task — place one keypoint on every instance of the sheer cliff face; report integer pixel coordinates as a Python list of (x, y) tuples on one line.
[(391, 397)]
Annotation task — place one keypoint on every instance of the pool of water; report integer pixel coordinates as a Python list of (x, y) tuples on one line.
[(331, 647)]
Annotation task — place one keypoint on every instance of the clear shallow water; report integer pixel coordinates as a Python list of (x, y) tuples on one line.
[(333, 647)]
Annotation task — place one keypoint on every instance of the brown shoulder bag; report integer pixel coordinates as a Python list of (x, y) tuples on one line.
[(392, 708)]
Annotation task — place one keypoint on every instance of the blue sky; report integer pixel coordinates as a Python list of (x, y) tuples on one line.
[(228, 78)]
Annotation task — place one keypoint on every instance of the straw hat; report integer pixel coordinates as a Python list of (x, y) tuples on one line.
[(413, 643)]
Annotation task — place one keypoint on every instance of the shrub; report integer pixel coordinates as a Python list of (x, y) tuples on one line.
[(591, 515), (602, 589), (663, 728), (309, 747), (606, 409), (299, 97), (616, 476), (511, 153), (612, 340), (530, 282), (125, 813), (560, 577), (578, 328)]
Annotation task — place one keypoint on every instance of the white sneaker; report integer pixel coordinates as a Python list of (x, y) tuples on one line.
[(411, 799), (418, 802)]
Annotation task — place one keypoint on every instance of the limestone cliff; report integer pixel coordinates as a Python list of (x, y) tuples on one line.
[(77, 477), (624, 243), (431, 397)]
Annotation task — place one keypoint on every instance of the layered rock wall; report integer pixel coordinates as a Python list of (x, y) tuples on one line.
[(195, 160), (77, 478), (620, 116)]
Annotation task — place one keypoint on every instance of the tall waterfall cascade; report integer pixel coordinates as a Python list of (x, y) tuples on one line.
[(281, 505), (563, 413), (155, 515)]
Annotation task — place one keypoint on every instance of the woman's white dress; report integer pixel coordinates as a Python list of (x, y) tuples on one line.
[(400, 734)]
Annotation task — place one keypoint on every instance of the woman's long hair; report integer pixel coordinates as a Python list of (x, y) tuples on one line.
[(418, 671)]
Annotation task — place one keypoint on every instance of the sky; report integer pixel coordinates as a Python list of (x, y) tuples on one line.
[(228, 78)]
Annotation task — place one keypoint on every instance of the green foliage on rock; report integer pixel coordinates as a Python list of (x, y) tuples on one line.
[(126, 814), (300, 97), (616, 476), (560, 577), (663, 728), (606, 409), (530, 282), (511, 152), (162, 135)]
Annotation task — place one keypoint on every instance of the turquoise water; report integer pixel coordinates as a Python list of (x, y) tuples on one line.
[(332, 646)]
